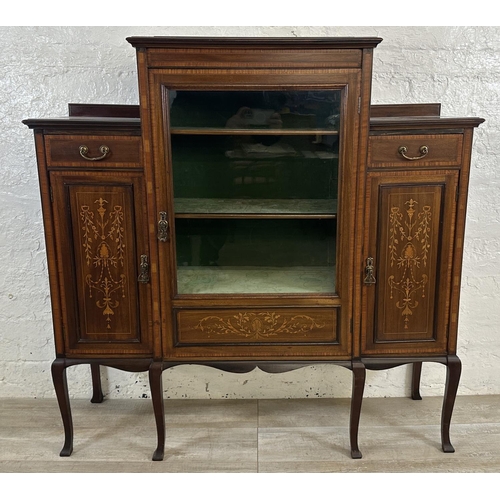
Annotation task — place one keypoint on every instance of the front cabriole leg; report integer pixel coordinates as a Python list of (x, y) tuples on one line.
[(61, 387), (453, 371), (415, 380), (97, 395), (156, 386), (358, 387)]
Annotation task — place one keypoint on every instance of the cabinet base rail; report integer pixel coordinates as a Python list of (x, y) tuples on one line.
[(155, 370)]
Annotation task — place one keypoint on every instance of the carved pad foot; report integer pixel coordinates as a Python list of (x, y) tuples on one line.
[(67, 450), (158, 455), (448, 448)]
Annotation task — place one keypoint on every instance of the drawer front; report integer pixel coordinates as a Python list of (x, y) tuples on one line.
[(92, 151), (443, 150), (257, 326)]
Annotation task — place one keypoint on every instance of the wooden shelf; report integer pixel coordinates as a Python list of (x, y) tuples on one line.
[(252, 280), (250, 208), (249, 131)]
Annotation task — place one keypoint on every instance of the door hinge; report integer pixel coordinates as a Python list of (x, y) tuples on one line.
[(359, 105)]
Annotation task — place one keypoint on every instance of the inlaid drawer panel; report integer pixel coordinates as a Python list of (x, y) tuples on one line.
[(441, 150), (240, 326), (93, 151)]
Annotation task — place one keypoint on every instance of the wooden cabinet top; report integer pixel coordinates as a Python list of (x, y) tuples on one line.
[(127, 118), (262, 42)]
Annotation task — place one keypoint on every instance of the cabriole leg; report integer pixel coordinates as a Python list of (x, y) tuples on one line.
[(61, 387), (156, 385), (358, 387), (415, 381), (97, 396), (453, 371)]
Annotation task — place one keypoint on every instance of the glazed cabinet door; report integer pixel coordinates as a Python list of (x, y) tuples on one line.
[(258, 197), (408, 258), (103, 262)]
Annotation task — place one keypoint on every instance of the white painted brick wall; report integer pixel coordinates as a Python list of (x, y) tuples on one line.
[(44, 68)]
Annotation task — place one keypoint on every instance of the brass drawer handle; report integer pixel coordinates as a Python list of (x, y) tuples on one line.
[(103, 149), (403, 150), (144, 270)]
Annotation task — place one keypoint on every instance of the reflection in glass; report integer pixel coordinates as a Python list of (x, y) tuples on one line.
[(255, 256), (255, 190), (269, 110), (212, 169)]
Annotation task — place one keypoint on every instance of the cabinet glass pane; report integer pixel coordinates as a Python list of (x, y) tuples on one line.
[(255, 256), (266, 110), (255, 178), (226, 174)]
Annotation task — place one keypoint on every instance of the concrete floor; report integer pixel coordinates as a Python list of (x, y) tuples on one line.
[(396, 435)]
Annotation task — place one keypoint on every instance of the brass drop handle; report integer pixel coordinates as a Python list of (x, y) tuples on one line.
[(163, 227), (423, 152), (144, 270), (103, 149), (369, 270)]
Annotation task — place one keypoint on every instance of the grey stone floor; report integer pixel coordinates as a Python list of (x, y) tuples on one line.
[(396, 435)]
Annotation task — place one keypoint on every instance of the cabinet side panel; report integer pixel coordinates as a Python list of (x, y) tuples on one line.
[(459, 240), (49, 230)]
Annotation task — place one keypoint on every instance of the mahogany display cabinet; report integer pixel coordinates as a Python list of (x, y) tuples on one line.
[(254, 211)]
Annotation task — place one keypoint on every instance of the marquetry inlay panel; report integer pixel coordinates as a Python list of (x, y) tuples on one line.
[(409, 246), (256, 325), (104, 250), (409, 223)]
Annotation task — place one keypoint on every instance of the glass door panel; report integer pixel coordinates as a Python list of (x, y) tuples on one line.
[(255, 190)]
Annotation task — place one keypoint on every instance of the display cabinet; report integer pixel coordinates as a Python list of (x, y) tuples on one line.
[(254, 211)]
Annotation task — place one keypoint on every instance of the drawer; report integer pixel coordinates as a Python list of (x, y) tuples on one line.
[(101, 151), (257, 326), (443, 150)]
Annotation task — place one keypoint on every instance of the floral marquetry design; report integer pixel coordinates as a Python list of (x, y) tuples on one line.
[(258, 325), (104, 252), (409, 245)]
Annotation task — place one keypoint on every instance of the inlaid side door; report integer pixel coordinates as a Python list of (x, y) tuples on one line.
[(408, 262), (103, 262)]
